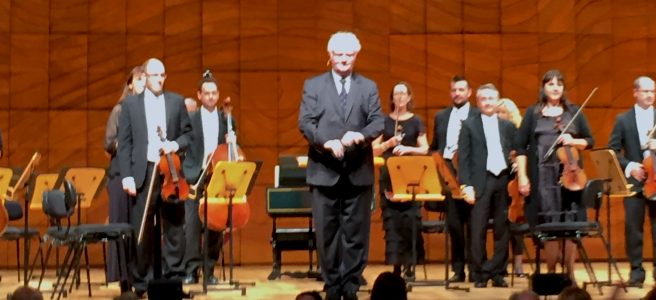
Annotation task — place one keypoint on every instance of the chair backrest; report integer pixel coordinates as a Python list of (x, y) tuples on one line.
[(593, 193), (60, 204)]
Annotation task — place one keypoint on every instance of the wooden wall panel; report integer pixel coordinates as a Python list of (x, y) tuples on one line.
[(519, 16), (444, 16), (63, 64), (481, 16)]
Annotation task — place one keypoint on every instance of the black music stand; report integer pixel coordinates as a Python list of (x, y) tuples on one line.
[(415, 178), (22, 186), (229, 180), (608, 169)]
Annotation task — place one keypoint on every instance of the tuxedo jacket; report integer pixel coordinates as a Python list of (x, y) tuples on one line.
[(441, 126), (194, 157), (472, 151), (624, 140), (133, 138), (322, 118)]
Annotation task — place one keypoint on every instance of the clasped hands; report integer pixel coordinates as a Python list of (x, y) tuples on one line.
[(336, 147)]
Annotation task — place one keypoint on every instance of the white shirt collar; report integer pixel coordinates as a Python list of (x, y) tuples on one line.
[(207, 112), (640, 110), (487, 118), (462, 112)]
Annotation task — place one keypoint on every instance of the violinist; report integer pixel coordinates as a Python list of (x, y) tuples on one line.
[(547, 200), (445, 140), (507, 109), (629, 139), (139, 149), (404, 134), (209, 129), (484, 148)]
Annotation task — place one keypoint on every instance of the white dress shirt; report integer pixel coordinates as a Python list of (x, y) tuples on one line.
[(453, 129), (644, 123), (210, 130), (155, 116), (495, 160), (338, 84)]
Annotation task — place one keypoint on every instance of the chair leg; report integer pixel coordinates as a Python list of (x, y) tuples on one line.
[(43, 265), (104, 252), (58, 287), (86, 260), (39, 254), (612, 260), (18, 264), (73, 266), (588, 266)]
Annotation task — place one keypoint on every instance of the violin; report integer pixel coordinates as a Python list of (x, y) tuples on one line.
[(217, 208), (516, 208), (649, 190), (174, 186), (572, 177), (448, 176)]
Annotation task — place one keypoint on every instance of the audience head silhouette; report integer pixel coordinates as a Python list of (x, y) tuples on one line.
[(389, 286)]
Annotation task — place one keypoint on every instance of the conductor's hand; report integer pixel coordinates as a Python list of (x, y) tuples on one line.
[(169, 147), (524, 185), (352, 138), (470, 194), (651, 145), (129, 186), (335, 147), (638, 172)]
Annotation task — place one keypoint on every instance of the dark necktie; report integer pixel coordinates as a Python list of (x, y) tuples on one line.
[(342, 96)]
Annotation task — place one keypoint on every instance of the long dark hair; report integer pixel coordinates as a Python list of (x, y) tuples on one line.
[(136, 72), (548, 76), (410, 104)]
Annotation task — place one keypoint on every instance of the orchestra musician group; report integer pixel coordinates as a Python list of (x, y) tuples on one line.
[(485, 146)]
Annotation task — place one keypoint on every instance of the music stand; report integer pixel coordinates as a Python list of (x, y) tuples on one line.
[(415, 178), (229, 180), (20, 186), (608, 169), (87, 182)]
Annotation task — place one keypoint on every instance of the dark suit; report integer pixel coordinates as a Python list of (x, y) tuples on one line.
[(192, 166), (133, 162), (457, 210), (491, 194), (625, 142), (341, 189)]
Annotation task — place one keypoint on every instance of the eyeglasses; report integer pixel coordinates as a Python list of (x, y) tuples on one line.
[(162, 75)]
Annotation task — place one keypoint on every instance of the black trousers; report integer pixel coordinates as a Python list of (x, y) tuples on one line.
[(342, 218), (193, 258), (170, 230), (634, 209), (119, 212), (492, 203)]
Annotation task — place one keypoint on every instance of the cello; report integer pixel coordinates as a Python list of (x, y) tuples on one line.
[(217, 208), (174, 186), (649, 189)]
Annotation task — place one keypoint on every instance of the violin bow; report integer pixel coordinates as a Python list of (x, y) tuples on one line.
[(562, 132), (147, 207)]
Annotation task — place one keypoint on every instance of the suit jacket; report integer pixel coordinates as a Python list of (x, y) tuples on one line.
[(133, 138), (441, 126), (624, 140), (193, 161), (472, 151), (321, 119)]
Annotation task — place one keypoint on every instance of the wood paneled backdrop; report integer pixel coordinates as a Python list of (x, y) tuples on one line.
[(62, 64)]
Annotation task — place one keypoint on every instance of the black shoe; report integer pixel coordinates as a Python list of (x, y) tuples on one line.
[(141, 294), (480, 284), (457, 278), (634, 282), (363, 281), (212, 280), (498, 281), (332, 295), (190, 279)]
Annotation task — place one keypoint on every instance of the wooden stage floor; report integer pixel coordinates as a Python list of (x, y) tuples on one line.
[(288, 287)]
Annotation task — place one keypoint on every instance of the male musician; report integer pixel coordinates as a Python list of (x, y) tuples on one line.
[(484, 163), (631, 143), (139, 149), (340, 116), (209, 129), (445, 140)]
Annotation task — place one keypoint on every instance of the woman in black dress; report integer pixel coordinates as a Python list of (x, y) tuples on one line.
[(404, 134), (548, 200)]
